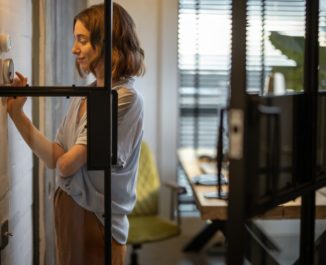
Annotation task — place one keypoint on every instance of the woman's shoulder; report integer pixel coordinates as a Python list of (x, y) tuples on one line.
[(124, 83), (73, 103), (129, 98), (126, 89)]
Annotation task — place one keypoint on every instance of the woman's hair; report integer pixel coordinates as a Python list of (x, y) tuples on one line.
[(127, 55)]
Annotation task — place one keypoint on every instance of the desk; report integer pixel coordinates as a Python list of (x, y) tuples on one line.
[(216, 210)]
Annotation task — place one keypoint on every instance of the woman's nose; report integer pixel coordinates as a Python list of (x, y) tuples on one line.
[(75, 49)]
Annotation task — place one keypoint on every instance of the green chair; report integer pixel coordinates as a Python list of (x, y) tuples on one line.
[(145, 224)]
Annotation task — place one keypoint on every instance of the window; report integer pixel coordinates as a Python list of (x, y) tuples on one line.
[(275, 43), (204, 58), (204, 47), (204, 53)]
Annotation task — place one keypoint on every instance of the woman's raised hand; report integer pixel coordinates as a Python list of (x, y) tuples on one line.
[(15, 104)]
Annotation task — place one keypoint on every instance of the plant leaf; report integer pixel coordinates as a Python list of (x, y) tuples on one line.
[(291, 46)]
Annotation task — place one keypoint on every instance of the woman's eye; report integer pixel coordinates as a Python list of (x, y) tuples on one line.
[(82, 41)]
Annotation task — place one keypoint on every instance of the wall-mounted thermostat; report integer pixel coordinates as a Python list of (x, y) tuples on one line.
[(5, 43), (7, 71)]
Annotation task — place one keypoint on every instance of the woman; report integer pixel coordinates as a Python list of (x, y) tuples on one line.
[(79, 199)]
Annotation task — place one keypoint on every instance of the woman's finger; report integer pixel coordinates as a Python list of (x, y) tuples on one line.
[(21, 77), (20, 81)]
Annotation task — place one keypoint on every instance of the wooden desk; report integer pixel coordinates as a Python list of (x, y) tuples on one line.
[(211, 209), (216, 211)]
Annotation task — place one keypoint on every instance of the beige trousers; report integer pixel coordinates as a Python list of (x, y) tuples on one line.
[(80, 235)]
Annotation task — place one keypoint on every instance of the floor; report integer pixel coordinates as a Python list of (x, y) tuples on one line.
[(284, 233), (151, 254)]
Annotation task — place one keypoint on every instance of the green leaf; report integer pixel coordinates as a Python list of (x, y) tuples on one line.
[(291, 46)]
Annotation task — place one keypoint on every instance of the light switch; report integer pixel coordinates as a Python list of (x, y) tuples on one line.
[(5, 43), (236, 127)]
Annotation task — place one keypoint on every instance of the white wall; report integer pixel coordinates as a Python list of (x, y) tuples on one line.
[(156, 25), (146, 14), (168, 95), (15, 19)]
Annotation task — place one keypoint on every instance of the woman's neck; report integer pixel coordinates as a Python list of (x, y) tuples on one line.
[(99, 82), (99, 71)]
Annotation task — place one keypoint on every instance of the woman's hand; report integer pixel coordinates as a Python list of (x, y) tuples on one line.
[(15, 104), (20, 80)]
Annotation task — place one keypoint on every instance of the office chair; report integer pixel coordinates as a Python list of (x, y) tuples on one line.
[(146, 225)]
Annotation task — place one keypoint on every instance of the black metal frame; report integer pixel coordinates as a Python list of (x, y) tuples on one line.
[(243, 168), (204, 235), (238, 106), (99, 134)]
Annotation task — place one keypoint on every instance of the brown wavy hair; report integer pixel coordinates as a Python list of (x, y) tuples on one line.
[(127, 55)]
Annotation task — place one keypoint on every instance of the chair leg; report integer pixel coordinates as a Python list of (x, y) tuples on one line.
[(134, 258), (134, 255)]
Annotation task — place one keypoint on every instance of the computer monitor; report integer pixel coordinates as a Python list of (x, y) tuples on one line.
[(220, 158)]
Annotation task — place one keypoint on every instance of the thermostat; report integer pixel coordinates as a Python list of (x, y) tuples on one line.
[(7, 71)]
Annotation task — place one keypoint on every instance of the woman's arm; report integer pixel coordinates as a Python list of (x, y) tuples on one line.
[(43, 148), (70, 162), (50, 152)]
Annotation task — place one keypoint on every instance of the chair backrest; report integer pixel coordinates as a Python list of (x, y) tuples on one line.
[(148, 184)]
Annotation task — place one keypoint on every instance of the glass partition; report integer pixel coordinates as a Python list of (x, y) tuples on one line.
[(276, 234), (277, 146)]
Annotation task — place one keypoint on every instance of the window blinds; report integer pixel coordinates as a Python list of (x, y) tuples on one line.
[(204, 58), (204, 46), (275, 28)]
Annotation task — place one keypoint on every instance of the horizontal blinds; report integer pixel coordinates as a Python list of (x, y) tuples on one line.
[(204, 45), (266, 19), (204, 59)]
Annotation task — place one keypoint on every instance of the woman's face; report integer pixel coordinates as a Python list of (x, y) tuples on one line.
[(82, 49)]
